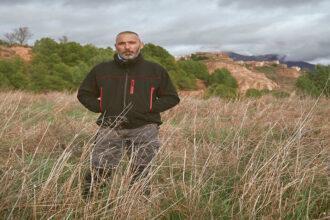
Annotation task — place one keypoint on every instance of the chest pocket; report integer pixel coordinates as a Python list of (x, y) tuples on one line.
[(142, 93)]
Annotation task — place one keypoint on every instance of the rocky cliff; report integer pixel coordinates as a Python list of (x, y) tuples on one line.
[(246, 78), (9, 52)]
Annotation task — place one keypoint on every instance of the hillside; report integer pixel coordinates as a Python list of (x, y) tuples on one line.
[(246, 78), (283, 76), (25, 53), (270, 75)]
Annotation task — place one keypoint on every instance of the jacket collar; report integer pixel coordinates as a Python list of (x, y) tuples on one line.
[(126, 63)]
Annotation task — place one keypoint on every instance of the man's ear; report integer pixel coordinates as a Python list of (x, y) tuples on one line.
[(141, 45)]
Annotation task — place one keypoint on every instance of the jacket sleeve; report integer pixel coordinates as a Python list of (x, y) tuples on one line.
[(166, 95), (88, 93)]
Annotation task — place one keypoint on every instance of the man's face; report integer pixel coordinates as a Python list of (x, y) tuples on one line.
[(128, 45)]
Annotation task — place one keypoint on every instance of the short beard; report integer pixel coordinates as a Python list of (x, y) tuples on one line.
[(130, 57)]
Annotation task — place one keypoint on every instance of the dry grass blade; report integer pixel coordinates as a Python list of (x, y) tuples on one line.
[(264, 158)]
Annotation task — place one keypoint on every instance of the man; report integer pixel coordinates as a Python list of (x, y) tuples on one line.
[(130, 93)]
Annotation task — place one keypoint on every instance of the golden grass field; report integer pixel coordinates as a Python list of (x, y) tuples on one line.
[(253, 158)]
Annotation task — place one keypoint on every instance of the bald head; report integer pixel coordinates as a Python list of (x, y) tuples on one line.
[(128, 44), (128, 32)]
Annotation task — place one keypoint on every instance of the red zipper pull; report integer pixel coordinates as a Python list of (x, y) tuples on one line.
[(131, 90), (101, 96)]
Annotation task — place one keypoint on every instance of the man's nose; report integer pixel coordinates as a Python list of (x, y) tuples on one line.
[(127, 46)]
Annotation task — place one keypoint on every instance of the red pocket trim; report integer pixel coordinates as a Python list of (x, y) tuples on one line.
[(152, 89)]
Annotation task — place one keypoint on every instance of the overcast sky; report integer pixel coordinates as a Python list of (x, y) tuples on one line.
[(299, 29)]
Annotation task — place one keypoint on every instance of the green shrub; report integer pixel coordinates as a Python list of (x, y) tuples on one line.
[(221, 83), (159, 55), (71, 53), (44, 80), (222, 91), (307, 85), (315, 82), (13, 74), (182, 80), (4, 81), (321, 78), (253, 93), (4, 43), (222, 76), (280, 94), (196, 57), (102, 55), (79, 73), (45, 46), (63, 66), (198, 69), (267, 69)]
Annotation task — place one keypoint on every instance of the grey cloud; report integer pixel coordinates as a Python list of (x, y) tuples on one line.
[(73, 3), (268, 4), (296, 34), (23, 2), (182, 26), (96, 3)]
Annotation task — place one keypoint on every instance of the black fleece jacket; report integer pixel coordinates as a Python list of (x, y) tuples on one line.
[(136, 89)]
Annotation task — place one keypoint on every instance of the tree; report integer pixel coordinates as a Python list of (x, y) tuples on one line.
[(20, 35), (23, 34), (64, 39), (10, 38)]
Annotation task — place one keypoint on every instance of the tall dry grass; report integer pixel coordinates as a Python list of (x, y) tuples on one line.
[(265, 158)]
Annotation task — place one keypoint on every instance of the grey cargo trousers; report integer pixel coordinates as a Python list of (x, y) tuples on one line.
[(141, 143)]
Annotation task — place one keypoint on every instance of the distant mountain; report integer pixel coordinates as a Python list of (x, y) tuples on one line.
[(266, 57), (301, 64), (270, 57)]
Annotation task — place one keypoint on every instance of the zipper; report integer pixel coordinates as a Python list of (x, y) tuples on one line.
[(101, 96), (131, 90), (152, 89), (125, 88)]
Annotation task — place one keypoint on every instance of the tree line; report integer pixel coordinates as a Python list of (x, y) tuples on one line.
[(58, 66), (62, 65)]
